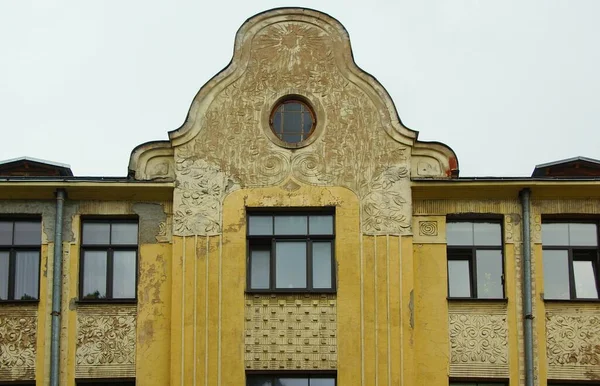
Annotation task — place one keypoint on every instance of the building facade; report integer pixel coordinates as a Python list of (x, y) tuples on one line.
[(294, 232)]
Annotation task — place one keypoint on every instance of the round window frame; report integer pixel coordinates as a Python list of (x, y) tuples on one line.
[(311, 104)]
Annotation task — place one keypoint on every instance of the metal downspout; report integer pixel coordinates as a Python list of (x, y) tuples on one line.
[(56, 291), (525, 195)]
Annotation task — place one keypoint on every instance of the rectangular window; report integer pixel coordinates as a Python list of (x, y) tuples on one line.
[(20, 242), (478, 384), (570, 256), (291, 252), (290, 380), (105, 382), (475, 262), (108, 266)]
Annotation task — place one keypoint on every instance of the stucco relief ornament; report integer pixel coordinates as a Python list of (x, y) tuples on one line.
[(478, 339), (573, 340), (17, 342), (106, 340)]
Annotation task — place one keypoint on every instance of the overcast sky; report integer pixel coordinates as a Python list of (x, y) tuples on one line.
[(507, 84)]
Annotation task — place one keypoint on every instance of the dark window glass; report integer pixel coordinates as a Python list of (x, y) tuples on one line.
[(290, 252), (570, 257), (116, 382), (290, 380), (292, 121), (109, 260), (477, 384), (475, 262), (20, 242)]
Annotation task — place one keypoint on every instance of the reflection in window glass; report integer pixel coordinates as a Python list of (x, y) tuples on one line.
[(321, 254), (27, 233), (260, 225), (459, 279), (487, 234), (459, 233), (583, 235), (6, 228), (124, 233), (96, 233), (290, 264), (489, 274), (290, 225), (321, 225), (94, 275), (555, 234), (26, 270), (322, 382), (259, 381), (124, 274), (585, 282), (556, 274), (4, 275), (260, 269), (293, 381)]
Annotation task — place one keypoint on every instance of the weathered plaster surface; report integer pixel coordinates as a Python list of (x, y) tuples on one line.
[(45, 209)]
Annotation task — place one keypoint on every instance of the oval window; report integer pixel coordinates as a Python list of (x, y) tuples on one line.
[(292, 121)]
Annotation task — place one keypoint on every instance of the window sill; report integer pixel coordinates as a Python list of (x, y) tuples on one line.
[(106, 301), (291, 292), (571, 300), (479, 300), (20, 302)]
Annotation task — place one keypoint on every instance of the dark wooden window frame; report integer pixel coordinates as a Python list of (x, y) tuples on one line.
[(591, 250), (267, 242), (106, 381), (292, 374), (110, 249), (469, 252), (12, 259)]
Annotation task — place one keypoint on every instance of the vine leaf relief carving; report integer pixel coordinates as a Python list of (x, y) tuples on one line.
[(573, 340), (355, 147), (476, 338), (106, 340)]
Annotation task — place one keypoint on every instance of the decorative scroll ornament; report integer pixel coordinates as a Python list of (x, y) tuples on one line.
[(476, 338), (17, 346), (573, 340), (105, 340)]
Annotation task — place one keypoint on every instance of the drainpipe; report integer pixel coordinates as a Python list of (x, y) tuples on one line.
[(56, 290), (527, 308)]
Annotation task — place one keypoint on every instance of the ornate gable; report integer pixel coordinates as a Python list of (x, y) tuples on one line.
[(226, 142)]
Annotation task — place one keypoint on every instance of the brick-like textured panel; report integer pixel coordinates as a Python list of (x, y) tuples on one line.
[(18, 328), (290, 332), (573, 341), (478, 339), (106, 341)]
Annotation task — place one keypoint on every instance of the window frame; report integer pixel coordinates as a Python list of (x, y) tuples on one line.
[(269, 242), (105, 381), (110, 249), (469, 253), (292, 374), (570, 258), (12, 250)]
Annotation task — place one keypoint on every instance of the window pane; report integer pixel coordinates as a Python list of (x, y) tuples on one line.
[(321, 225), (96, 233), (292, 382), (489, 274), (459, 279), (583, 235), (290, 225), (124, 265), (260, 225), (259, 381), (555, 234), (27, 275), (585, 282), (487, 233), (321, 264), (322, 382), (290, 264), (556, 274), (459, 233), (260, 269), (3, 275), (28, 233), (94, 275), (124, 233), (6, 228)]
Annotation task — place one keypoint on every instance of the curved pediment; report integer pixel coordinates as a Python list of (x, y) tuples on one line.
[(228, 143)]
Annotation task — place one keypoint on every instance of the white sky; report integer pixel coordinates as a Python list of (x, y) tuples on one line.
[(508, 84)]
